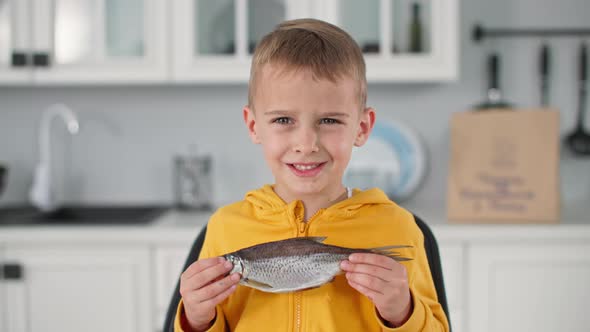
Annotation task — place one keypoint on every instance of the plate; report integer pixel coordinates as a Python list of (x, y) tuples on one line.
[(393, 159)]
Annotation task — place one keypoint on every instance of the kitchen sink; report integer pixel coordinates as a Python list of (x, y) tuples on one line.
[(82, 215)]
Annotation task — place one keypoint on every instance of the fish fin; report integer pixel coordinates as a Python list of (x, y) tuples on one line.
[(318, 239), (387, 248), (257, 284), (387, 251)]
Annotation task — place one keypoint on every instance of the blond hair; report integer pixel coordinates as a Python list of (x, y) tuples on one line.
[(309, 44)]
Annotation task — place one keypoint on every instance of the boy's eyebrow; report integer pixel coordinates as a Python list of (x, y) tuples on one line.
[(329, 114), (277, 112)]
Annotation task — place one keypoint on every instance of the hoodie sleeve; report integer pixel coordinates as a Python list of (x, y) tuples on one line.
[(427, 314), (219, 324)]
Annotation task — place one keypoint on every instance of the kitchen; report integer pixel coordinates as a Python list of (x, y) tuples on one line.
[(130, 133)]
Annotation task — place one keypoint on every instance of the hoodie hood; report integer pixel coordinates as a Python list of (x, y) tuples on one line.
[(265, 202)]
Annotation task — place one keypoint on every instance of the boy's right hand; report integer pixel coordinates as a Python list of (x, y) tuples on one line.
[(203, 285)]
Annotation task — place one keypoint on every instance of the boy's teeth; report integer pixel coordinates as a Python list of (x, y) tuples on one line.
[(305, 167)]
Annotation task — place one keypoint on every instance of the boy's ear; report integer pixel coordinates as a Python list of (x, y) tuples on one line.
[(250, 120), (366, 124)]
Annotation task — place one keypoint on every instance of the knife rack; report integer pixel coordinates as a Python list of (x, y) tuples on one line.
[(479, 33)]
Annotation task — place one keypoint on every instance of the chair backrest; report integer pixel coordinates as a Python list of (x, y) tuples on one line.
[(192, 257), (430, 246), (433, 256)]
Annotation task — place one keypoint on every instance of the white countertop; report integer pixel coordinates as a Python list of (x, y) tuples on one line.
[(182, 227)]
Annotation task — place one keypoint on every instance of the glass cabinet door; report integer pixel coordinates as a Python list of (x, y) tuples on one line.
[(83, 37), (263, 16), (387, 26), (14, 42), (214, 39), (402, 40), (95, 40), (214, 27), (362, 21), (411, 26)]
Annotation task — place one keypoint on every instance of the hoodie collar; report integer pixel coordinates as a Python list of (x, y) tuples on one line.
[(266, 202)]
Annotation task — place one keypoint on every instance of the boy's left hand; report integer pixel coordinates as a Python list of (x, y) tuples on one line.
[(384, 281)]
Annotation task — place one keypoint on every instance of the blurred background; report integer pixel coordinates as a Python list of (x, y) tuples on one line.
[(151, 95)]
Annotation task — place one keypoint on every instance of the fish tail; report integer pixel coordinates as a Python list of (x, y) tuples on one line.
[(387, 251)]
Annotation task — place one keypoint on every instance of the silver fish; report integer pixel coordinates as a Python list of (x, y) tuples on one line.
[(295, 264)]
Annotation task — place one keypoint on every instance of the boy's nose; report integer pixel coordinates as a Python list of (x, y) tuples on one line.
[(306, 141)]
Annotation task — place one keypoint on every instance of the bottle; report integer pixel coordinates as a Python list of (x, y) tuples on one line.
[(415, 30)]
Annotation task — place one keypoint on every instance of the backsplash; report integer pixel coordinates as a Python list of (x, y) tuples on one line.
[(129, 135)]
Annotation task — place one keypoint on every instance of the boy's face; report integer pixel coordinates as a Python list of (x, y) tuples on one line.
[(307, 129)]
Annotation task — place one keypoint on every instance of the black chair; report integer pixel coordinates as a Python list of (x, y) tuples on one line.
[(430, 246), (193, 255), (433, 255)]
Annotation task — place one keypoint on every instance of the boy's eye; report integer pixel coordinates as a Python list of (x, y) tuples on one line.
[(282, 120), (329, 121)]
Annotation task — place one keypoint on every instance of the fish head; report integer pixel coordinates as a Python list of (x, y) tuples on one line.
[(238, 264)]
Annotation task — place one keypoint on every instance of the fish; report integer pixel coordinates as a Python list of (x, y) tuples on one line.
[(296, 263)]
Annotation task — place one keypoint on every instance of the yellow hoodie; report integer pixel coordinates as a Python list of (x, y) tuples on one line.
[(365, 220)]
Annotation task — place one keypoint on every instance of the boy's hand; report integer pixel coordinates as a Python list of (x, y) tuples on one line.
[(203, 285), (384, 281)]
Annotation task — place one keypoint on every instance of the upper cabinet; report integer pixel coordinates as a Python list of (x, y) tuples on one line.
[(83, 41), (214, 39), (14, 41), (209, 41), (402, 40)]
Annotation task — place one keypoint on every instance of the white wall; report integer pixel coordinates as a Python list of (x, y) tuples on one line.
[(130, 134)]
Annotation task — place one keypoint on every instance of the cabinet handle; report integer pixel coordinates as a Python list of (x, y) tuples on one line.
[(12, 271), (41, 59), (19, 59)]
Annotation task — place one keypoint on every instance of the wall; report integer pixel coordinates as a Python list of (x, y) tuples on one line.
[(130, 134)]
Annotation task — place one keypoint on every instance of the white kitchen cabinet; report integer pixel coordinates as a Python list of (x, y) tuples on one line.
[(382, 29), (452, 260), (15, 41), (213, 39), (529, 286), (80, 287), (83, 41)]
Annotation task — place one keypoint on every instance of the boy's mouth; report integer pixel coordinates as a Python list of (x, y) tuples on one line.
[(306, 169)]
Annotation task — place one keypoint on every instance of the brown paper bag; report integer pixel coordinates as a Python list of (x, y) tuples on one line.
[(504, 167)]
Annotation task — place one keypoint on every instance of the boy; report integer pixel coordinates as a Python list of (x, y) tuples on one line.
[(306, 108)]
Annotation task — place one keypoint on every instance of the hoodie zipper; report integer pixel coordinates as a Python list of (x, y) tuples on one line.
[(303, 225)]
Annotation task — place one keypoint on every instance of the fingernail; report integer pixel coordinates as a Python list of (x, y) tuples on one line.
[(352, 257), (227, 264), (235, 277), (344, 264)]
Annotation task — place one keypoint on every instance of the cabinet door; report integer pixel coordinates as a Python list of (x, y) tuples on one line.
[(169, 264), (452, 261), (65, 288), (98, 41), (401, 40), (529, 287), (214, 39), (15, 42)]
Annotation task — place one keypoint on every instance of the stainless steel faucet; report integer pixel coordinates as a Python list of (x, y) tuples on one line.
[(42, 193)]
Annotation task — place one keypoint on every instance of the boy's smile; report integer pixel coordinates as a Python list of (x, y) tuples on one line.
[(307, 128)]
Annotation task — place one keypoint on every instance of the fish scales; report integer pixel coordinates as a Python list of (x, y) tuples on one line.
[(295, 264)]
